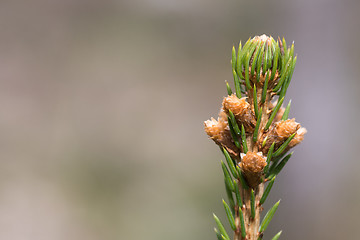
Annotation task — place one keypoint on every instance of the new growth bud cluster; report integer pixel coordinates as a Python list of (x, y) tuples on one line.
[(253, 128)]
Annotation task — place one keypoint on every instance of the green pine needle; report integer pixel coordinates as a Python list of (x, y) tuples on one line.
[(267, 191), (221, 227), (247, 58), (286, 112), (238, 61), (242, 179), (229, 91), (269, 57), (292, 50), (228, 180), (259, 63), (274, 112), (287, 83), (256, 108), (264, 142), (234, 123), (245, 49), (280, 166), (265, 63), (237, 194), (241, 57), (243, 139), (233, 58), (229, 216), (253, 47), (268, 158), (256, 130), (242, 222), (230, 163), (275, 62), (230, 198), (284, 75), (277, 236), (283, 146), (275, 161), (264, 92), (252, 203), (237, 84), (247, 81), (218, 234), (256, 58), (268, 217), (233, 134), (284, 45)]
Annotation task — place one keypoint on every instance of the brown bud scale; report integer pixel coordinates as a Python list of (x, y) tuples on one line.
[(279, 132), (252, 165), (241, 110), (218, 131)]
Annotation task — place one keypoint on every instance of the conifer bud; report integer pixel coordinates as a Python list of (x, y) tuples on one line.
[(285, 129), (252, 165), (261, 55), (241, 110), (219, 132), (280, 131)]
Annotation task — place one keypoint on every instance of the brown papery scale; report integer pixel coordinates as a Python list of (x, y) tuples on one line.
[(252, 164), (241, 110)]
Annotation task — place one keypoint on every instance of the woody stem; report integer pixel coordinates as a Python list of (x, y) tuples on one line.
[(252, 224)]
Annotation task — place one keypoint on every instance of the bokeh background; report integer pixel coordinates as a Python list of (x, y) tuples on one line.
[(102, 106)]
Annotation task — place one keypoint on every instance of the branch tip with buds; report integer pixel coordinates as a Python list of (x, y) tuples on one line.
[(254, 133)]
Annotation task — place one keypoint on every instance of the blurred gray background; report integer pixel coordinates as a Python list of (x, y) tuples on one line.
[(102, 106)]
